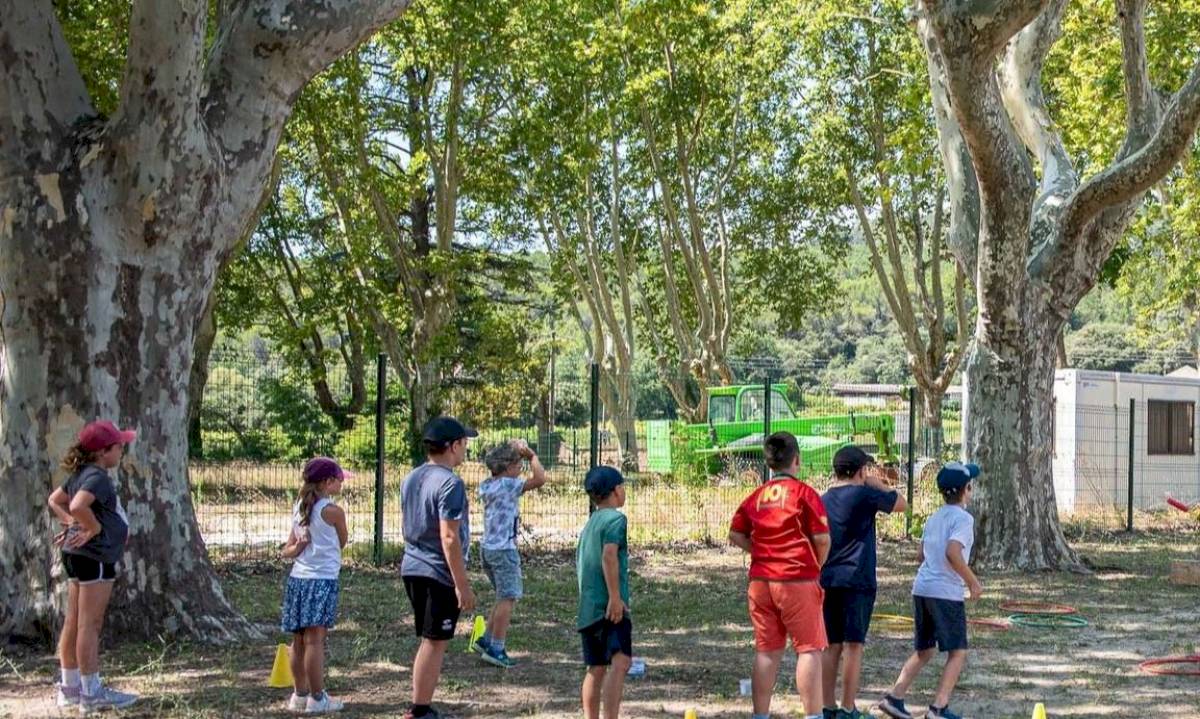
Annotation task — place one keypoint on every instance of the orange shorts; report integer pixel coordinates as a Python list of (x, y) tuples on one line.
[(780, 609)]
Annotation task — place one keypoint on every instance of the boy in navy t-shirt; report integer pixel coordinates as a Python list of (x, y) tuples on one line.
[(848, 577)]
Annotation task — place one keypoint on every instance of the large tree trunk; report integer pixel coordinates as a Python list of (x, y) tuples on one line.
[(111, 233), (1012, 404)]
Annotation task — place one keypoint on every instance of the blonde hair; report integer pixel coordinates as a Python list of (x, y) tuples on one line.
[(309, 494), (78, 457)]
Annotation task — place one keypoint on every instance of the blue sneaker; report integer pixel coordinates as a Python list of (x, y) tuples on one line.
[(941, 713), (894, 707), (496, 657), (481, 646), (852, 713)]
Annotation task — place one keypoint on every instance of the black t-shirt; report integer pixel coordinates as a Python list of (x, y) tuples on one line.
[(109, 544), (851, 510)]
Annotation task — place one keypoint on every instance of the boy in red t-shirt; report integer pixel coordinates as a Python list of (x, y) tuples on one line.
[(782, 525)]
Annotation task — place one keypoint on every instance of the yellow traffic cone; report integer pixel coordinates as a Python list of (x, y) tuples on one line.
[(689, 714), (477, 631), (281, 672), (1039, 711)]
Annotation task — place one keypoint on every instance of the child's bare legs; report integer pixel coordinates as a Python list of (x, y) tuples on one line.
[(296, 660), (851, 673), (92, 604), (808, 680), (427, 669), (314, 658), (70, 631), (909, 672), (830, 660), (762, 678), (501, 616), (593, 682), (614, 685), (954, 666)]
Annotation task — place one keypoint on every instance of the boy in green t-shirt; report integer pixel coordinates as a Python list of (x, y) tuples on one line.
[(602, 567)]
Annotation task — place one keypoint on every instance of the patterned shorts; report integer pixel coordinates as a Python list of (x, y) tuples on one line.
[(503, 569), (309, 603)]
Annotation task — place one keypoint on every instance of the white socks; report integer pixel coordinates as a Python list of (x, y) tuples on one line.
[(90, 683), (70, 677)]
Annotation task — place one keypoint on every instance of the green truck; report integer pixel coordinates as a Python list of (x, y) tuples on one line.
[(733, 435)]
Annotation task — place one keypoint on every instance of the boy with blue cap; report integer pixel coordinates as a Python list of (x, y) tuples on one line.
[(939, 612), (602, 568)]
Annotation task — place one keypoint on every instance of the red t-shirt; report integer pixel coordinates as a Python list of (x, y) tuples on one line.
[(781, 517)]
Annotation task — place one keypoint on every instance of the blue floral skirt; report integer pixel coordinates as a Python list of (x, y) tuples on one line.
[(309, 603)]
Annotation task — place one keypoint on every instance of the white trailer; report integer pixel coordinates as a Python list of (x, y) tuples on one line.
[(1092, 439)]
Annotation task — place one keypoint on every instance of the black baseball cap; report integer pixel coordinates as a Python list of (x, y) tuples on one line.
[(447, 429), (849, 459), (956, 475), (602, 480)]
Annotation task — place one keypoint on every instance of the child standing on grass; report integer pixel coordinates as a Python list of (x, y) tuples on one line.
[(501, 495), (310, 598), (782, 525), (437, 534), (939, 613), (602, 569), (857, 494), (93, 542)]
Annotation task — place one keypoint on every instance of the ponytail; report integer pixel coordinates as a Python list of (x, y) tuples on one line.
[(308, 500), (78, 457)]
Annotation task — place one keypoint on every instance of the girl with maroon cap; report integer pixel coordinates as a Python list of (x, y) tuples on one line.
[(311, 596), (93, 540)]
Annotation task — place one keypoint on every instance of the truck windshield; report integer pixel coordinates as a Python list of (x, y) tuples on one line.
[(752, 405), (720, 409)]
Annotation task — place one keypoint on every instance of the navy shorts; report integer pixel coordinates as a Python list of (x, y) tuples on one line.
[(940, 622), (86, 570), (848, 614), (603, 640)]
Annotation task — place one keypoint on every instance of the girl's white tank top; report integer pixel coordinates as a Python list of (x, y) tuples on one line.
[(322, 558)]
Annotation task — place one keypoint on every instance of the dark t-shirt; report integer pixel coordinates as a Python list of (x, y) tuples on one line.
[(851, 510), (109, 544), (429, 494)]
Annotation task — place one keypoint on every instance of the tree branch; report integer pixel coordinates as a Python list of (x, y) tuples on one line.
[(160, 93), (41, 91)]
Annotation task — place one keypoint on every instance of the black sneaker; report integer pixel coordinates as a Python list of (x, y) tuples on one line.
[(942, 713), (894, 707), (827, 713)]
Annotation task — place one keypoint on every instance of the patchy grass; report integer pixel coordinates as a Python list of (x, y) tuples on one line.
[(690, 624)]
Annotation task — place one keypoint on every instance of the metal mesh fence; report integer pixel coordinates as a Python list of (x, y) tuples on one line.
[(690, 454)]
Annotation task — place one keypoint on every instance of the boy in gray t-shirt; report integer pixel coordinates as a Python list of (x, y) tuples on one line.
[(501, 495), (436, 535), (939, 612)]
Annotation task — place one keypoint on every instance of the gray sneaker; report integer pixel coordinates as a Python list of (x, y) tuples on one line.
[(105, 698), (67, 696)]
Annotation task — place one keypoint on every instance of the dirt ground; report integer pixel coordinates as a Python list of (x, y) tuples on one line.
[(690, 625)]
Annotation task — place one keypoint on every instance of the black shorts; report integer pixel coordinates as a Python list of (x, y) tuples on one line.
[(435, 608), (603, 640), (939, 621), (848, 614), (86, 570)]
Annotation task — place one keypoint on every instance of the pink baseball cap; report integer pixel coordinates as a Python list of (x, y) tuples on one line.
[(103, 434), (319, 469)]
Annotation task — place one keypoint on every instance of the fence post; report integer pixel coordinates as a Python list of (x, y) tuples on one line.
[(1129, 493), (912, 460), (380, 437), (594, 449), (766, 472)]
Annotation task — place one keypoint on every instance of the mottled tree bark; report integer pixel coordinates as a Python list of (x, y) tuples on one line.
[(111, 234)]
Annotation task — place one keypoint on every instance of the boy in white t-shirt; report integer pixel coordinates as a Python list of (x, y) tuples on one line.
[(939, 612), (501, 495)]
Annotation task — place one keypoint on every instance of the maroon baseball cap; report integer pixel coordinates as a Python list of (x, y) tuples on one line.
[(319, 469), (103, 434)]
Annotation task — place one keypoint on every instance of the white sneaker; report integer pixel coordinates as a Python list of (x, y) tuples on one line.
[(325, 704), (106, 698), (67, 696), (296, 703)]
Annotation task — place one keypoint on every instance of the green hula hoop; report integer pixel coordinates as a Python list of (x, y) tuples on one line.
[(1049, 621)]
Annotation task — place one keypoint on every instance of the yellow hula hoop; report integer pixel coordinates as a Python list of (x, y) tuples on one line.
[(894, 621)]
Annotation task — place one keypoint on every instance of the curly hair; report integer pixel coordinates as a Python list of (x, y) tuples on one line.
[(78, 457)]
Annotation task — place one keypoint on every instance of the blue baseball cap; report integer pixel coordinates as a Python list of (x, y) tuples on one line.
[(602, 480), (956, 475)]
